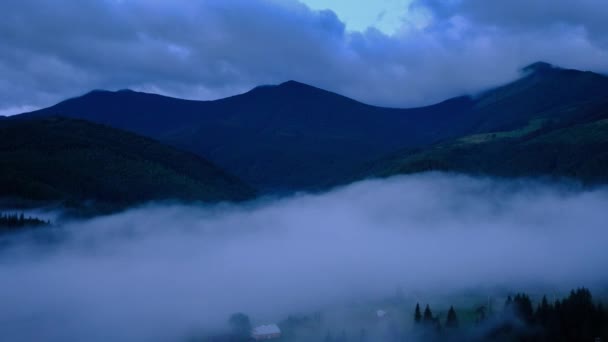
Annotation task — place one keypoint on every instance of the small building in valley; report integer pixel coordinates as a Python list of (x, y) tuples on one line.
[(266, 332)]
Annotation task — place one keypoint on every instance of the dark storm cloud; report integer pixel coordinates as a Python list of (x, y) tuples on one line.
[(203, 48), (208, 49), (161, 272), (521, 15)]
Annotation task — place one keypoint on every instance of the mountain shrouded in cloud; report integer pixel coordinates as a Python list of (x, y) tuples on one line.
[(303, 170), (297, 137), (51, 50)]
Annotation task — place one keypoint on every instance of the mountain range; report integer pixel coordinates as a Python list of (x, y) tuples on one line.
[(276, 138), (294, 136)]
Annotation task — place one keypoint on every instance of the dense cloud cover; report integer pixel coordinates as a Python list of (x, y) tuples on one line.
[(162, 272), (208, 49)]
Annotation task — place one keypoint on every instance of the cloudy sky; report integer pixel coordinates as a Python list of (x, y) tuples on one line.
[(385, 52)]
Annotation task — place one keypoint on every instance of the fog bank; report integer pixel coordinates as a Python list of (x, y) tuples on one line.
[(159, 273)]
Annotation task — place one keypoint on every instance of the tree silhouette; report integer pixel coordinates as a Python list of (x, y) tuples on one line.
[(508, 302), (523, 307), (417, 314), (14, 221), (452, 319), (240, 324), (543, 311), (428, 315)]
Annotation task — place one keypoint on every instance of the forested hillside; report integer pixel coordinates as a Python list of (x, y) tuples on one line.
[(575, 150), (73, 161)]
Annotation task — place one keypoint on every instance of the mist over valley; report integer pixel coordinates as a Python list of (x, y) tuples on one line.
[(162, 272)]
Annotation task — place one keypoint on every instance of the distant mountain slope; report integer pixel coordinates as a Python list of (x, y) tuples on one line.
[(294, 136), (545, 92), (575, 149), (285, 137), (56, 159)]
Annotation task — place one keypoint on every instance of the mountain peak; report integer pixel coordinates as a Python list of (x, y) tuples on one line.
[(539, 67), (292, 83), (291, 87), (104, 91), (97, 91)]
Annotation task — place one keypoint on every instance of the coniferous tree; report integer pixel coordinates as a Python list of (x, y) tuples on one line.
[(428, 315), (544, 304), (574, 318), (13, 221), (543, 312), (417, 314), (523, 307), (452, 319)]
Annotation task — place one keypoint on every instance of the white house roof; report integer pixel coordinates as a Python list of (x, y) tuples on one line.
[(266, 330)]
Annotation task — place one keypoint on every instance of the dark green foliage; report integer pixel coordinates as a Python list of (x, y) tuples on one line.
[(577, 151), (72, 161)]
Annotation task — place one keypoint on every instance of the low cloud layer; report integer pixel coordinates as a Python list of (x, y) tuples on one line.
[(162, 272), (51, 50)]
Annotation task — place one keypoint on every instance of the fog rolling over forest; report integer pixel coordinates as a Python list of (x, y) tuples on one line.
[(164, 272)]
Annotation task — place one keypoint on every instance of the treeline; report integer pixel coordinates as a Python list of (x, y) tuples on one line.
[(574, 318), (10, 222), (577, 317)]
